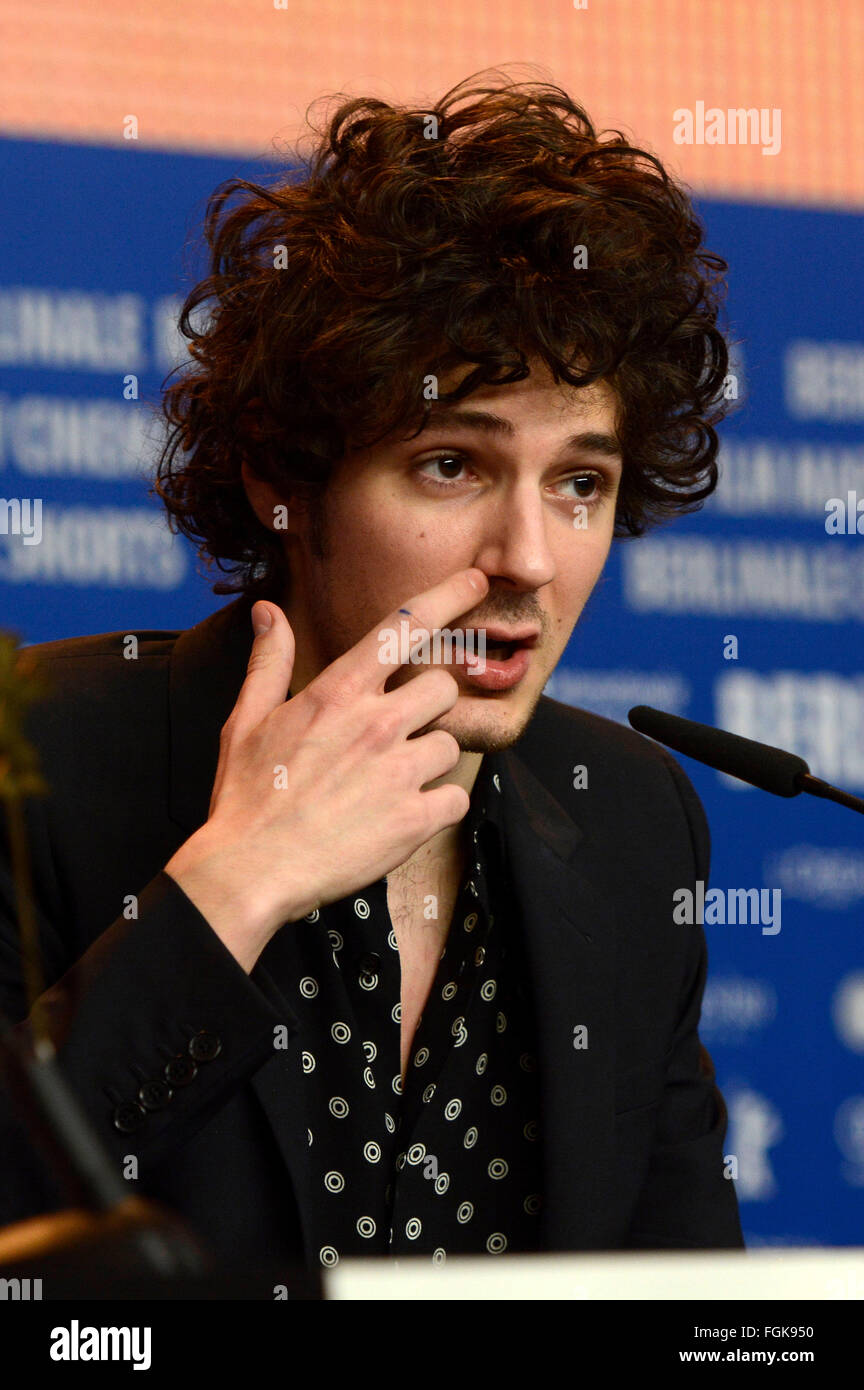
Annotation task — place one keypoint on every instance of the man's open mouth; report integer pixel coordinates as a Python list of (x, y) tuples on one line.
[(497, 644), (501, 651)]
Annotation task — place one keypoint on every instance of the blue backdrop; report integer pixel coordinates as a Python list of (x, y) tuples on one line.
[(748, 615)]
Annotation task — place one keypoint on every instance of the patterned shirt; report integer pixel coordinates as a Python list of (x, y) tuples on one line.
[(450, 1164)]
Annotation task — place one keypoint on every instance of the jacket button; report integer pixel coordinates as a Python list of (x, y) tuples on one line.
[(368, 964), (153, 1095), (180, 1071), (129, 1117), (204, 1046)]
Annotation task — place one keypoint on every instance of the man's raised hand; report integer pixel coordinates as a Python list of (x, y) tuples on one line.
[(318, 796)]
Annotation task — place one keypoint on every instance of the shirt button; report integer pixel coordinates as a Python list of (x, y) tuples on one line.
[(368, 963), (204, 1046)]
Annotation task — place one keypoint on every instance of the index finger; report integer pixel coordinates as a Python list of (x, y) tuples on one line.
[(371, 661)]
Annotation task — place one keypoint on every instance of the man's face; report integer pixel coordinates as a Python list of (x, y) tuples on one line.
[(519, 481)]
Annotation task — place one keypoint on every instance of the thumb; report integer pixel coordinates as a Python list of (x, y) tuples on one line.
[(262, 618), (271, 666)]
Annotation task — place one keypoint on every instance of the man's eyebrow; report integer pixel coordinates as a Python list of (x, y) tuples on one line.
[(594, 441)]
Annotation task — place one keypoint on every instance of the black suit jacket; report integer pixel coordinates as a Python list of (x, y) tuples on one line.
[(633, 1123)]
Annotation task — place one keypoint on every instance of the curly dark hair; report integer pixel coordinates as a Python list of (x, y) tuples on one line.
[(416, 240)]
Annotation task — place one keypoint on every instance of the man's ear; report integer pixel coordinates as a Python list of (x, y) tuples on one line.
[(279, 512)]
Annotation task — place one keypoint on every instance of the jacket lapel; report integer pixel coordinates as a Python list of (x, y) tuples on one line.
[(208, 667), (568, 927)]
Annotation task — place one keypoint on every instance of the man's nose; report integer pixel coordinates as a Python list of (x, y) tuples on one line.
[(514, 544)]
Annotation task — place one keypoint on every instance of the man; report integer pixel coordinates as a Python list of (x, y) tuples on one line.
[(351, 954)]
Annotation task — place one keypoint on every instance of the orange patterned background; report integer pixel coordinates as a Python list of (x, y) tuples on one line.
[(224, 75)]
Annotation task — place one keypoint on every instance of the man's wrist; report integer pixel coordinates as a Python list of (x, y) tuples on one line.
[(225, 900)]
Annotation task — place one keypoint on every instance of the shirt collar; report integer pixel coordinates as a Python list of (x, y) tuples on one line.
[(485, 796), (484, 826)]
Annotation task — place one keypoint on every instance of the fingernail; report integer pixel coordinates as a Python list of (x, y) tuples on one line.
[(262, 620)]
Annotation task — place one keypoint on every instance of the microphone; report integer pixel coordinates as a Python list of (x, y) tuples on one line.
[(771, 769)]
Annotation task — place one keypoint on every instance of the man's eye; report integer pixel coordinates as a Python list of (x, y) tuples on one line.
[(585, 483), (449, 465), (590, 487)]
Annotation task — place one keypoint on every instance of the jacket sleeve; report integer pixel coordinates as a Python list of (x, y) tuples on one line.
[(687, 1202), (155, 1025)]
